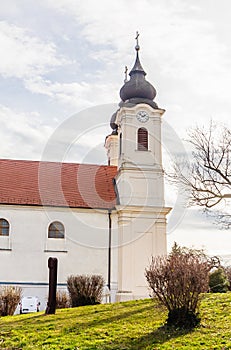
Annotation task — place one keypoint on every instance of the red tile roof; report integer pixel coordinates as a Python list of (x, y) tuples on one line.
[(57, 184)]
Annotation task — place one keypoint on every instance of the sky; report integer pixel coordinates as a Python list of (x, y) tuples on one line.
[(61, 58)]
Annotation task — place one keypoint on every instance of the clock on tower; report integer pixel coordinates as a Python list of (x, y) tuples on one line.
[(142, 116)]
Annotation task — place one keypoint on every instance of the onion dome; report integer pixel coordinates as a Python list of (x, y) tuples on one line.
[(113, 125), (138, 89)]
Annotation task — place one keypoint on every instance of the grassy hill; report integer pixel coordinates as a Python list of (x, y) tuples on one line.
[(131, 325)]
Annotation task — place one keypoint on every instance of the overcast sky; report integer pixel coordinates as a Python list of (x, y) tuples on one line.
[(60, 57)]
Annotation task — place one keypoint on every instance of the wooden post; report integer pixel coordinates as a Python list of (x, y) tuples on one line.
[(51, 304)]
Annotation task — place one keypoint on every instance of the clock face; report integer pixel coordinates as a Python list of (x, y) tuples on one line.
[(142, 116)]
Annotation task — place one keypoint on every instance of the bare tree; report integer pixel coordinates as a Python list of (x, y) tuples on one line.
[(209, 175)]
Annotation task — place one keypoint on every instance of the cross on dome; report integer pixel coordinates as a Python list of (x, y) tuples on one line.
[(126, 74), (137, 41)]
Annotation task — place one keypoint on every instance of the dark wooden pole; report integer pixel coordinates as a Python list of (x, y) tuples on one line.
[(53, 267), (109, 251)]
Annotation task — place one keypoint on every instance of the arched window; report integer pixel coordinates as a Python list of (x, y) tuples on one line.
[(142, 137), (4, 227), (56, 230)]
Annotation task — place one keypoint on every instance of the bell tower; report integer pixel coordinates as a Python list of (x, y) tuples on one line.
[(140, 182)]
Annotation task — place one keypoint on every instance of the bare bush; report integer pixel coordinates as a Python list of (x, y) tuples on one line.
[(85, 290), (9, 299), (62, 299), (177, 280)]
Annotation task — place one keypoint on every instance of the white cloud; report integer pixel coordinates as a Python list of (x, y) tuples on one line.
[(24, 56), (177, 45), (77, 95), (22, 135), (174, 35), (198, 231), (184, 51)]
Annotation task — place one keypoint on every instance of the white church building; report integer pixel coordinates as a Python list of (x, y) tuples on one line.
[(95, 219)]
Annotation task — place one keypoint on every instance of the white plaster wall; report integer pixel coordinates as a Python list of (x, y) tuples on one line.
[(140, 179), (24, 255), (140, 187), (128, 125), (112, 147), (141, 213), (142, 234)]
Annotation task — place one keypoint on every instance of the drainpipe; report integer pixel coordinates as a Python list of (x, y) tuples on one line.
[(110, 239), (109, 251)]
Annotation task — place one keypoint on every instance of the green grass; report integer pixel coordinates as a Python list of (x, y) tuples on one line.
[(131, 325)]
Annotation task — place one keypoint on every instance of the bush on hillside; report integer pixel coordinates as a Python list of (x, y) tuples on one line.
[(227, 270), (85, 290), (218, 281), (62, 299), (177, 280), (9, 299)]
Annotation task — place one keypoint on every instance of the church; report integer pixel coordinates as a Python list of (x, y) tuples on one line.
[(95, 219)]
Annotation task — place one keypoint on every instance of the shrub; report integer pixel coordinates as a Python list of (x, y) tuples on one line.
[(62, 299), (85, 290), (218, 282), (9, 299), (227, 270), (177, 281)]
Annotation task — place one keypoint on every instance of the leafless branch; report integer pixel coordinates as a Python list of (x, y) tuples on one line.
[(208, 176)]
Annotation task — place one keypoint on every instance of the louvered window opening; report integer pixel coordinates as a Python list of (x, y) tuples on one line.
[(142, 139)]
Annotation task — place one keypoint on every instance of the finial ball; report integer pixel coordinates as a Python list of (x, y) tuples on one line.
[(137, 47)]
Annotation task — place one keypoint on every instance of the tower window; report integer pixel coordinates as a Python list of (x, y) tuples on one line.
[(142, 137), (56, 230), (4, 227)]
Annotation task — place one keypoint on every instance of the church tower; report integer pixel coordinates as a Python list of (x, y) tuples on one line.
[(135, 147)]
